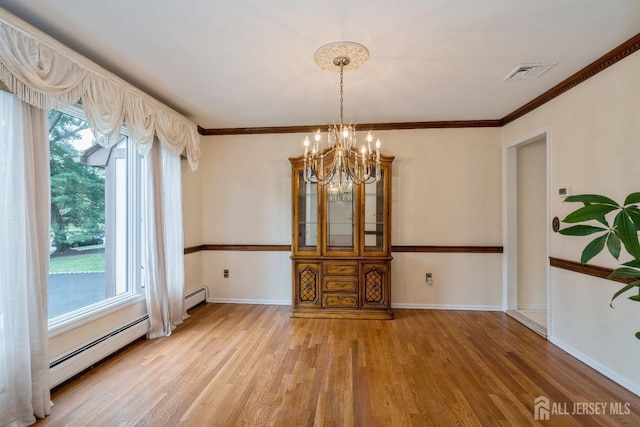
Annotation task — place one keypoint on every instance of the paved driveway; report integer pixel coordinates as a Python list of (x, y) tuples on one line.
[(68, 291)]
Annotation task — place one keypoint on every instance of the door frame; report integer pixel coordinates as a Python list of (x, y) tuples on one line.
[(510, 219)]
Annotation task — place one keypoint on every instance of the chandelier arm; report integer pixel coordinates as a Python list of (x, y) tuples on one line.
[(369, 177), (353, 172), (313, 178), (319, 175)]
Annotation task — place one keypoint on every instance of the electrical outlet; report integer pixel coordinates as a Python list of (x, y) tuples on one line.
[(429, 279), (226, 274)]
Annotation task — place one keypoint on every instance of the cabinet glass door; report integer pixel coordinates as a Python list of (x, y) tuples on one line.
[(307, 215), (374, 216), (341, 221)]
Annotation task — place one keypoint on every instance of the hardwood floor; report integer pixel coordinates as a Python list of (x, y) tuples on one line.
[(232, 365)]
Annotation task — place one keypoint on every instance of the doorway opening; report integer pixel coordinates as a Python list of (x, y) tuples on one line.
[(526, 233)]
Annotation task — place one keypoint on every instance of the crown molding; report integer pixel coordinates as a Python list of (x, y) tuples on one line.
[(602, 63), (363, 127)]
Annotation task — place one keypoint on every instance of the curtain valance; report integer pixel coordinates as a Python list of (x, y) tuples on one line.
[(46, 74)]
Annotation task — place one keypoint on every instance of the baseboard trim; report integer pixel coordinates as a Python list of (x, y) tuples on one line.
[(532, 307), (248, 301), (632, 387), (399, 306), (447, 307)]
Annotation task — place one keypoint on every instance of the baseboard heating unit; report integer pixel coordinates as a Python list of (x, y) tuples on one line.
[(76, 361), (195, 298)]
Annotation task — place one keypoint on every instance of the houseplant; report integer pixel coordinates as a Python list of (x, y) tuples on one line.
[(617, 228)]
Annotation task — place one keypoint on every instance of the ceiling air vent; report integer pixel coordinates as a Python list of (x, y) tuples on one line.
[(529, 71)]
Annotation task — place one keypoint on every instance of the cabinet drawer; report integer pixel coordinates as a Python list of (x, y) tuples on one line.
[(340, 300), (341, 268), (337, 284)]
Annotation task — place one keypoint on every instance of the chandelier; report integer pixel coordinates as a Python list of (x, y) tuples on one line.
[(341, 163)]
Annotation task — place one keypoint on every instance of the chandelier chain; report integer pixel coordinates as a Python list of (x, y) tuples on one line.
[(341, 91)]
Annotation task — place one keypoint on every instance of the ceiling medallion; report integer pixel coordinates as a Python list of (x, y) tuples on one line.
[(355, 54)]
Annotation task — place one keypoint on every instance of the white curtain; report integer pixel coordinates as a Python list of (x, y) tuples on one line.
[(163, 245), (37, 74), (104, 105), (24, 262)]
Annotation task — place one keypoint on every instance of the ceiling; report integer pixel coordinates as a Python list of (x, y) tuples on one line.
[(249, 63)]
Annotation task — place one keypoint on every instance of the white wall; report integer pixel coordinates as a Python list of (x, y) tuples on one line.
[(254, 277), (246, 196), (192, 225), (446, 186), (461, 281), (246, 188), (445, 191), (595, 146)]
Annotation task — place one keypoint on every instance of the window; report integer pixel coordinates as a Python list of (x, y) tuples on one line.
[(95, 217)]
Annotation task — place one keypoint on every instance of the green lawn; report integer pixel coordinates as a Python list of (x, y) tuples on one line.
[(87, 261)]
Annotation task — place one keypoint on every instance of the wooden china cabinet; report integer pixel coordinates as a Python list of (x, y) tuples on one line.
[(341, 248)]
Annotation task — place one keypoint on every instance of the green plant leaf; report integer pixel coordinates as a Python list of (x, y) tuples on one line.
[(634, 214), (638, 335), (635, 298), (593, 248), (591, 198), (627, 231), (623, 290), (632, 198), (633, 263), (613, 244), (589, 212), (624, 273), (581, 230)]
